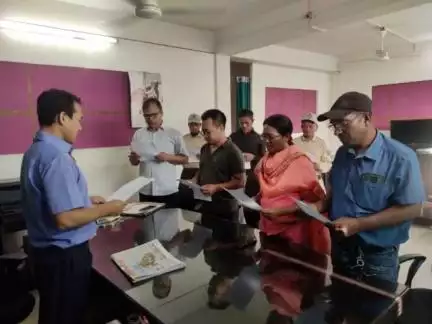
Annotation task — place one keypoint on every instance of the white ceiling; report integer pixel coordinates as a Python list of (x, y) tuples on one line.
[(361, 40), (241, 25)]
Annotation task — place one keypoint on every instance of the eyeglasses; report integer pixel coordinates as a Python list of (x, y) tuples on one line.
[(270, 138), (151, 116), (338, 126)]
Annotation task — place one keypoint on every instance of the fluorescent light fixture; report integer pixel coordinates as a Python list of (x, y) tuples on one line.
[(55, 36)]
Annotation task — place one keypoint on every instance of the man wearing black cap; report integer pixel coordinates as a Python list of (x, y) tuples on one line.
[(375, 191)]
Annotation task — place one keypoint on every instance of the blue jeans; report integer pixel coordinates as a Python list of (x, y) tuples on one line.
[(364, 263), (374, 266)]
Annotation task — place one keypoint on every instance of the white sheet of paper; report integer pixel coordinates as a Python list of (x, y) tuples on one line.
[(129, 189), (147, 155), (244, 199), (247, 165), (311, 212), (196, 190), (193, 159), (311, 157)]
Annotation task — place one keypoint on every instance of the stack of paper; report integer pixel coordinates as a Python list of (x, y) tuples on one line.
[(146, 261), (124, 193)]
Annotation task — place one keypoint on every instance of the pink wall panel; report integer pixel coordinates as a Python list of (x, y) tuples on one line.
[(105, 96), (290, 102), (411, 100)]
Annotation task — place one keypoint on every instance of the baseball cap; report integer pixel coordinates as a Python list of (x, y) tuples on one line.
[(310, 117), (194, 119), (346, 104)]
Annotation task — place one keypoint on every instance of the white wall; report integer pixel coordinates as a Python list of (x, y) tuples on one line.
[(188, 79), (281, 77), (363, 76), (290, 57)]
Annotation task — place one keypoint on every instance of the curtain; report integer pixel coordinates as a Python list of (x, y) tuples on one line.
[(243, 94)]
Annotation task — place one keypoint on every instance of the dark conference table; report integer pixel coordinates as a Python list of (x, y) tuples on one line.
[(272, 281)]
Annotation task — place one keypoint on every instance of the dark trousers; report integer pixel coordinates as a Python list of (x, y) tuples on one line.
[(62, 278), (170, 201), (252, 189), (188, 173)]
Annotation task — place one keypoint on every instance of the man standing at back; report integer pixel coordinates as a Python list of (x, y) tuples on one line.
[(253, 149), (193, 141), (247, 140), (312, 145), (59, 214), (158, 150), (221, 167)]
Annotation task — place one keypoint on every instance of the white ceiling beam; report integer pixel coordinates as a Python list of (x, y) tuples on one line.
[(289, 23)]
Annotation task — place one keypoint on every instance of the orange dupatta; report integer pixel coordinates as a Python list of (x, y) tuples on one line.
[(283, 176)]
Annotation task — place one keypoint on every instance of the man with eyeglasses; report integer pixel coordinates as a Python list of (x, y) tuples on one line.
[(375, 190), (157, 150)]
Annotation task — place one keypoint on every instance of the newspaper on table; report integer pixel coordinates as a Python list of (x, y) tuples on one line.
[(196, 190), (146, 261), (244, 200)]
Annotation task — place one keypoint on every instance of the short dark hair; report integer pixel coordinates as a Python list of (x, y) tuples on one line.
[(281, 123), (216, 115), (246, 113), (51, 103), (151, 101)]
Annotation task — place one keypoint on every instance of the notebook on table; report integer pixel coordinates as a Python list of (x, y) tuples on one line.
[(146, 261), (141, 209)]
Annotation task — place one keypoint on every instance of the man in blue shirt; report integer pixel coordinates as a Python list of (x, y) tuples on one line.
[(58, 211), (375, 191)]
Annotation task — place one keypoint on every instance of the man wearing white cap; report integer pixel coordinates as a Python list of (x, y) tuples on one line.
[(312, 145), (194, 140)]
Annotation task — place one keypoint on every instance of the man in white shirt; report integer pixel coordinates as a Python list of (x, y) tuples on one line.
[(157, 150), (312, 145)]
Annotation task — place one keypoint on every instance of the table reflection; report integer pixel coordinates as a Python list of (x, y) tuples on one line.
[(230, 278)]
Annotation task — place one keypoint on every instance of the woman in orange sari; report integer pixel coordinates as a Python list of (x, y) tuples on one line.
[(284, 173)]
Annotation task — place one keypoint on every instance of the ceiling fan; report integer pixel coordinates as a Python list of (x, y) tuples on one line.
[(310, 17), (150, 9), (382, 54)]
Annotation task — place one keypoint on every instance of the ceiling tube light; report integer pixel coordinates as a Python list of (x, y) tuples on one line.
[(55, 36)]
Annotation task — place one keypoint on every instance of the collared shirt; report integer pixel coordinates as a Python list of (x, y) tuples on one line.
[(52, 183), (317, 148), (193, 146), (220, 166), (387, 174), (147, 144), (249, 143), (194, 143)]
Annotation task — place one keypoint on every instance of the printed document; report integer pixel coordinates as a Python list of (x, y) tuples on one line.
[(244, 199), (311, 212), (196, 190), (131, 188), (145, 155)]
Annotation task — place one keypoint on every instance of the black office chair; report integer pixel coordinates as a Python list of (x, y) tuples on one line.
[(417, 262), (16, 301)]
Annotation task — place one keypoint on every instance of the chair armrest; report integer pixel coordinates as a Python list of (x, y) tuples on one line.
[(417, 262)]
